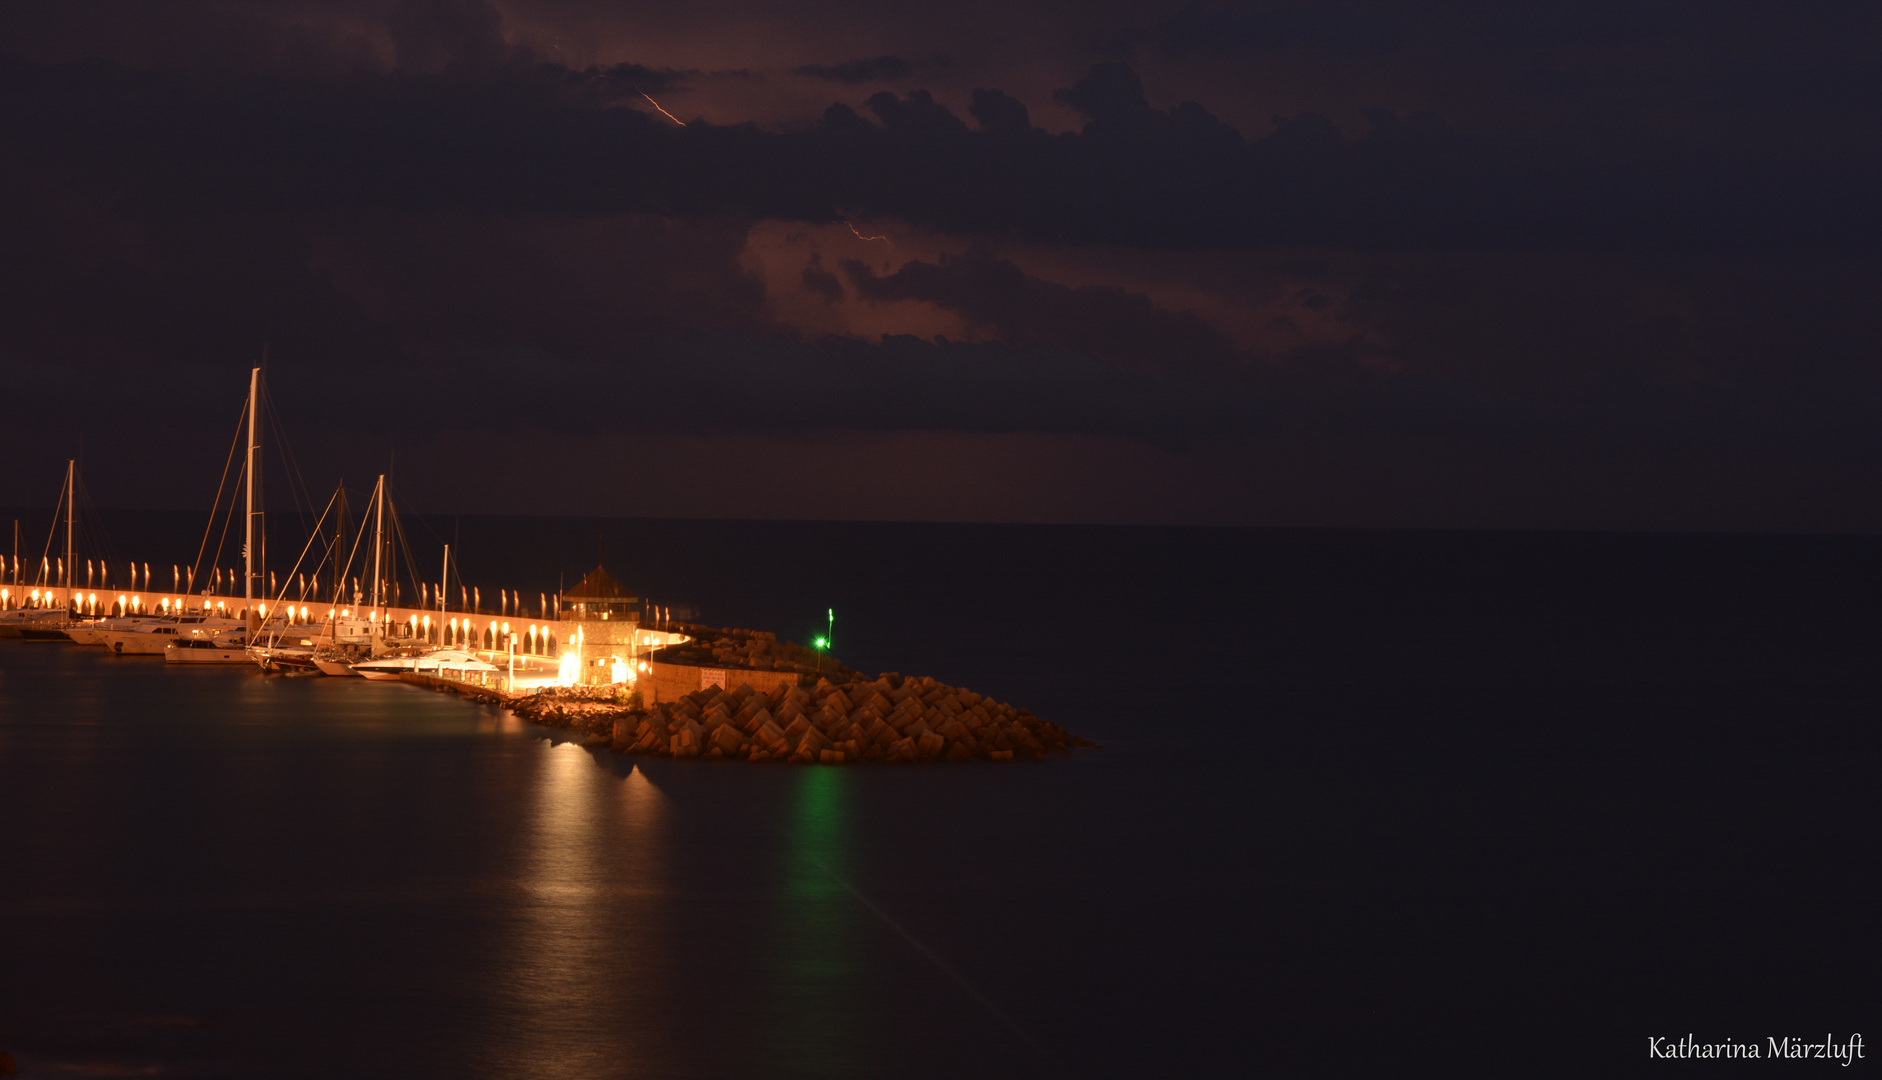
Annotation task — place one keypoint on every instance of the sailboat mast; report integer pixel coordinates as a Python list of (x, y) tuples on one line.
[(342, 527), (378, 535), (71, 470), (250, 552)]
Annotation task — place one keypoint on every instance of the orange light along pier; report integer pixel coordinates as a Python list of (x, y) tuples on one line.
[(598, 637)]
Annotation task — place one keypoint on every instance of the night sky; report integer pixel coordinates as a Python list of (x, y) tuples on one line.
[(1588, 266)]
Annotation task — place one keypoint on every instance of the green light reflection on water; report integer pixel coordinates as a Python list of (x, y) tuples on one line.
[(817, 957)]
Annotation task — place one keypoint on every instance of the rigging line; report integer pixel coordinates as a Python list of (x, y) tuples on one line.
[(339, 540), (275, 604), (288, 457), (83, 529), (403, 540), (229, 518), (235, 444), (91, 528), (358, 539), (394, 543), (404, 544), (298, 492), (958, 979), (45, 557)]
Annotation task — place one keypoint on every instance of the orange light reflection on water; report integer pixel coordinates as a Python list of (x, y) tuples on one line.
[(586, 923)]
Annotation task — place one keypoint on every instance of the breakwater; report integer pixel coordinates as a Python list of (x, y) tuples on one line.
[(889, 719), (769, 701)]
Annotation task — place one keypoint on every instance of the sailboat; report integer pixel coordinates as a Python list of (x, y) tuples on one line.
[(344, 640), (204, 638), (49, 623)]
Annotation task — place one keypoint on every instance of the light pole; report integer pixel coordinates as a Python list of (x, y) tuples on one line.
[(823, 642)]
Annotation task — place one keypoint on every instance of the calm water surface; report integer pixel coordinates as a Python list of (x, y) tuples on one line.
[(1369, 804)]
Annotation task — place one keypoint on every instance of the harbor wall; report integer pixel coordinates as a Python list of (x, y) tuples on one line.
[(670, 682)]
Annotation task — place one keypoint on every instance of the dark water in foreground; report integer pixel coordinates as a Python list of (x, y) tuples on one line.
[(1370, 804)]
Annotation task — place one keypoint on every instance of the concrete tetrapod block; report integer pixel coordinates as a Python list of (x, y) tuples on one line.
[(930, 744), (727, 738), (625, 729)]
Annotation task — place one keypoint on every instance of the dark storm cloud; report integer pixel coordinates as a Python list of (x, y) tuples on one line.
[(821, 281), (1097, 320), (543, 138), (1654, 251), (879, 69), (640, 79), (1344, 28), (428, 34)]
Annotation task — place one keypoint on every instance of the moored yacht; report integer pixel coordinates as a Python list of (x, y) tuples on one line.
[(92, 632), (440, 662), (151, 638), (33, 623), (199, 647)]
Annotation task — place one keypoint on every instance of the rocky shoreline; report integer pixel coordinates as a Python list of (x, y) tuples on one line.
[(889, 719)]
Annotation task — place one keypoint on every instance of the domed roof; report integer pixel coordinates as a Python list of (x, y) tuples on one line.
[(598, 585)]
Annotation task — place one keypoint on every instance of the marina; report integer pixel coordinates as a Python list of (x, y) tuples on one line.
[(360, 629), (594, 657)]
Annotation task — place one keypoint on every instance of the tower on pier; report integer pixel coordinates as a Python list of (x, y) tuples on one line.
[(607, 620)]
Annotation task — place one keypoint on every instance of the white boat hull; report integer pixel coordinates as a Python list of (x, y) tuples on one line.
[(135, 644), (184, 654), (15, 623)]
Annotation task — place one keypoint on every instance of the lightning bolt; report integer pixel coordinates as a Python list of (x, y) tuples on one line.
[(663, 112), (860, 236), (649, 98)]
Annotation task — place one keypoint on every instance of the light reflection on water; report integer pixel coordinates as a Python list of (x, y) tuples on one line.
[(818, 970), (582, 951)]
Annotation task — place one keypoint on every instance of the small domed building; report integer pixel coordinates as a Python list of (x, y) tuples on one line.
[(603, 619)]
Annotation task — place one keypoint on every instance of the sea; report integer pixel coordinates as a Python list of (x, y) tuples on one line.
[(1363, 803)]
